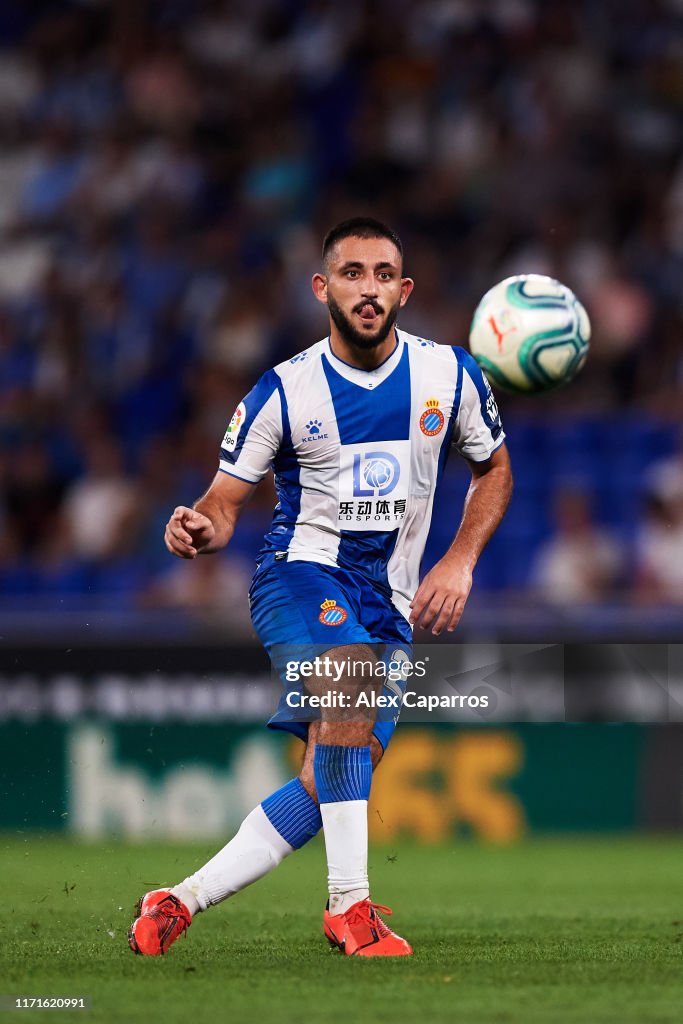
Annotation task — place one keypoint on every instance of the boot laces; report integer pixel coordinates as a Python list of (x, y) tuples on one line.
[(165, 914), (362, 912)]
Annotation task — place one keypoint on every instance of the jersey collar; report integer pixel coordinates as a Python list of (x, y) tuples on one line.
[(368, 379)]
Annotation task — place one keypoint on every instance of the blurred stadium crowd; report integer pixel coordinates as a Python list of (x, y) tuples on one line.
[(168, 170)]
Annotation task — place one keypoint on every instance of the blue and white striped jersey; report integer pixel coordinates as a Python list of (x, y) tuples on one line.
[(357, 454)]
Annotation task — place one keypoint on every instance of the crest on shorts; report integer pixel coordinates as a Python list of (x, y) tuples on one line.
[(332, 614), (432, 419)]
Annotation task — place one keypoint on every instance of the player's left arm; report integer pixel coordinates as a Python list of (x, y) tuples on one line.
[(440, 599)]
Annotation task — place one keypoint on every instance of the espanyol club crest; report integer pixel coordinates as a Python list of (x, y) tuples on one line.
[(432, 419), (332, 614)]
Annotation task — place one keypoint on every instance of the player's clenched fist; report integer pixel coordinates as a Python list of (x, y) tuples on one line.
[(187, 532)]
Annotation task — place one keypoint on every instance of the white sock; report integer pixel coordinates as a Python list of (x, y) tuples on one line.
[(345, 824), (187, 897), (256, 849)]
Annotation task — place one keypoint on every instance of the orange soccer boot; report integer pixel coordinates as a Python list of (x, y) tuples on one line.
[(161, 918), (362, 932)]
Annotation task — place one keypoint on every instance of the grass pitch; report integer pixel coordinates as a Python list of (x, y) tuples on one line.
[(548, 931)]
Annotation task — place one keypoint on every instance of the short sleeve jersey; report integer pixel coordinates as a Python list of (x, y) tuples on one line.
[(357, 454)]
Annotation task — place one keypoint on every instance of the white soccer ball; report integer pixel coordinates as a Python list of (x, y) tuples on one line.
[(530, 333)]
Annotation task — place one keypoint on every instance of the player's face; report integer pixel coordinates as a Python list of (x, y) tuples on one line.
[(363, 289)]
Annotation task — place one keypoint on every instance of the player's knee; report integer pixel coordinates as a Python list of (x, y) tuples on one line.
[(307, 780), (307, 775), (376, 752)]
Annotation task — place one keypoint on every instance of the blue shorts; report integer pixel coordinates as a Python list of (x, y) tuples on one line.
[(302, 609)]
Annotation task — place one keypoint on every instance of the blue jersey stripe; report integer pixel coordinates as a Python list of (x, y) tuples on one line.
[(448, 436), (363, 414), (370, 553), (287, 485), (473, 371)]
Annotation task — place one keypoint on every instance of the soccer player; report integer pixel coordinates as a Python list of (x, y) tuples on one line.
[(357, 429)]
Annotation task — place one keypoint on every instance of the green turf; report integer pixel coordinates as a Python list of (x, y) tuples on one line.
[(555, 930)]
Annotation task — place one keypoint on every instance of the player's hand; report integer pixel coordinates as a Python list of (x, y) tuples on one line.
[(440, 599), (187, 532)]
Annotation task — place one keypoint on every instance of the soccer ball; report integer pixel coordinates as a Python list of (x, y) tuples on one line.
[(530, 333)]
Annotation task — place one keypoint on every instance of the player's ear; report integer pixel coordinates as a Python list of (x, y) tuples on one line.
[(319, 286), (407, 285)]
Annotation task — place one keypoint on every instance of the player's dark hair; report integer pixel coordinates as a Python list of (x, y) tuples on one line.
[(359, 227)]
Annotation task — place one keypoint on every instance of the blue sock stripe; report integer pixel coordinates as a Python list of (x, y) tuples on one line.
[(294, 813), (342, 773)]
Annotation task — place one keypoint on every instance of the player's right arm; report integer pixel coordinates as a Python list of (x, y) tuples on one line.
[(208, 526), (251, 442)]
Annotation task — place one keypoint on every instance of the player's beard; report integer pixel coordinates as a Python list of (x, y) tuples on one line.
[(352, 335)]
